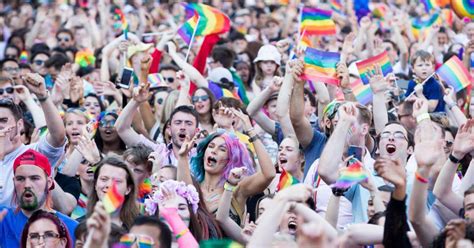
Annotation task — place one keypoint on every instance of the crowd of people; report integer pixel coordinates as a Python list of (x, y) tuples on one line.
[(221, 142)]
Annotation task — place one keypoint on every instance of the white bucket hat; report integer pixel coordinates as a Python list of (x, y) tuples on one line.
[(217, 74), (268, 53)]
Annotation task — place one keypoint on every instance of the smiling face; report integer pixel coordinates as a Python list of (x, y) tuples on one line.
[(107, 175), (289, 156), (423, 68), (74, 123), (91, 104), (393, 142), (216, 156), (201, 102)]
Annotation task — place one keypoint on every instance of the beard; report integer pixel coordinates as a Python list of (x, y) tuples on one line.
[(34, 204)]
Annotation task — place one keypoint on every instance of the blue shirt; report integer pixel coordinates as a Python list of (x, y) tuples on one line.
[(12, 226), (314, 149), (432, 91)]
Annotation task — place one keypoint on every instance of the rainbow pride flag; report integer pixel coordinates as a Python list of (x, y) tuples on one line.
[(239, 84), (455, 74), (124, 22), (321, 66), (220, 243), (113, 199), (421, 26), (286, 180), (305, 41), (351, 175), (24, 57), (430, 4), (144, 188), (317, 22), (463, 8), (362, 92), (367, 65), (155, 80), (204, 19), (336, 6), (447, 16), (85, 58)]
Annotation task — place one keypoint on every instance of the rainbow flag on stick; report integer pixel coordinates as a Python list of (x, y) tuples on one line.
[(24, 57), (430, 4), (362, 92), (317, 21), (367, 65), (286, 180), (220, 243), (420, 26), (124, 22), (211, 21), (321, 66), (113, 199), (351, 175), (455, 74), (336, 6)]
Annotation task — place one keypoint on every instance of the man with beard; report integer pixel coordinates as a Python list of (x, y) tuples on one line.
[(11, 128), (33, 183)]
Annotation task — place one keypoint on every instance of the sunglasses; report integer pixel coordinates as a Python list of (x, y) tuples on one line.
[(169, 79), (63, 39), (128, 240), (200, 98), (105, 123), (38, 62), (11, 69), (7, 90), (396, 135)]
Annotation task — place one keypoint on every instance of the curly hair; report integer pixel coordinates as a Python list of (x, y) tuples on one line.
[(237, 153)]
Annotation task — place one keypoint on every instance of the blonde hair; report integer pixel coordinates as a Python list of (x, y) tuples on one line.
[(169, 106)]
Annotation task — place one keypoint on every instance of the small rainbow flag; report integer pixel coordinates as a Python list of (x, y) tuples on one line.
[(447, 16), (379, 11), (92, 126), (317, 22), (362, 92), (455, 74), (336, 6), (321, 66), (206, 19), (463, 8), (113, 199), (124, 22), (284, 2), (286, 180), (420, 26), (24, 57), (220, 243), (430, 4), (351, 175), (85, 58), (367, 65), (240, 86), (305, 41), (144, 188), (155, 80)]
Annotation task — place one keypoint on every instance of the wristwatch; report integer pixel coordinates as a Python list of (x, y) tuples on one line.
[(454, 159)]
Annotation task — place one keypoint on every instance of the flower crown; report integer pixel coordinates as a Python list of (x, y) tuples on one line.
[(188, 192)]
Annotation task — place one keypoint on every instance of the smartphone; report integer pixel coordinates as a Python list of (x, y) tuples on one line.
[(48, 80), (355, 151), (126, 77)]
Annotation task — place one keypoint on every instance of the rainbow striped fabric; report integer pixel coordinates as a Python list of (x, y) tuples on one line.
[(455, 74), (286, 180), (362, 92), (144, 189), (367, 65), (85, 58), (463, 8), (317, 22), (220, 243), (124, 22), (203, 20), (155, 80), (305, 41), (336, 6), (430, 4), (24, 57), (351, 175), (320, 66), (113, 199), (420, 26)]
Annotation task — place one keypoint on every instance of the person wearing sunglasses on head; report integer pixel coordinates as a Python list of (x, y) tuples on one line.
[(65, 38)]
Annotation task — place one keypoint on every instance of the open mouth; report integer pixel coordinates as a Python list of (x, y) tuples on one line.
[(292, 226), (75, 134), (108, 131), (28, 195), (90, 171), (211, 161), (283, 161), (390, 148), (182, 136)]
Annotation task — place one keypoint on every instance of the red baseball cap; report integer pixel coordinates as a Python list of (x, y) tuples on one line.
[(32, 157)]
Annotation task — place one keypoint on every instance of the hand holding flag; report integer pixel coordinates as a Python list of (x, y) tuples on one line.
[(352, 174)]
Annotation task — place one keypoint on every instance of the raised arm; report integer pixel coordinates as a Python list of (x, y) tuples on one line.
[(333, 151), (57, 134), (185, 84), (362, 234), (24, 95), (192, 72), (463, 144), (260, 180), (283, 109), (301, 125), (379, 85), (450, 100), (184, 173), (254, 109)]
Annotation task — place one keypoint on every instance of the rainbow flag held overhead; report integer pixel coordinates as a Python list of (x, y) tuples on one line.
[(24, 57), (203, 20), (463, 8), (454, 73), (123, 20), (317, 22), (430, 4), (220, 243), (305, 41), (367, 65), (351, 175), (362, 92), (113, 199), (320, 66), (420, 26), (336, 6), (286, 180)]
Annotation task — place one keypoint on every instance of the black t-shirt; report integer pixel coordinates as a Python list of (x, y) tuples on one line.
[(70, 185)]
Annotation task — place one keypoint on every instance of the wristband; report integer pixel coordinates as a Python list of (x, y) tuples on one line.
[(253, 138), (420, 178), (452, 105), (182, 233), (248, 131), (44, 98), (453, 159), (422, 117), (229, 187), (338, 192)]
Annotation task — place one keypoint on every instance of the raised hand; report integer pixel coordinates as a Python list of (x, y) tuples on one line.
[(249, 228), (156, 158), (165, 38), (236, 175), (187, 145), (35, 84), (183, 80), (455, 231), (378, 43), (464, 141), (282, 46), (391, 170), (449, 96), (420, 107), (276, 84), (22, 93), (343, 74), (243, 117), (299, 193), (297, 69), (224, 117), (99, 225), (365, 23), (77, 89), (88, 150), (418, 89), (347, 112), (142, 93), (171, 48), (106, 88), (377, 82), (348, 45), (428, 145)]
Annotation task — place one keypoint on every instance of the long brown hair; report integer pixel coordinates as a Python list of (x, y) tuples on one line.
[(209, 228), (41, 214), (130, 209)]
